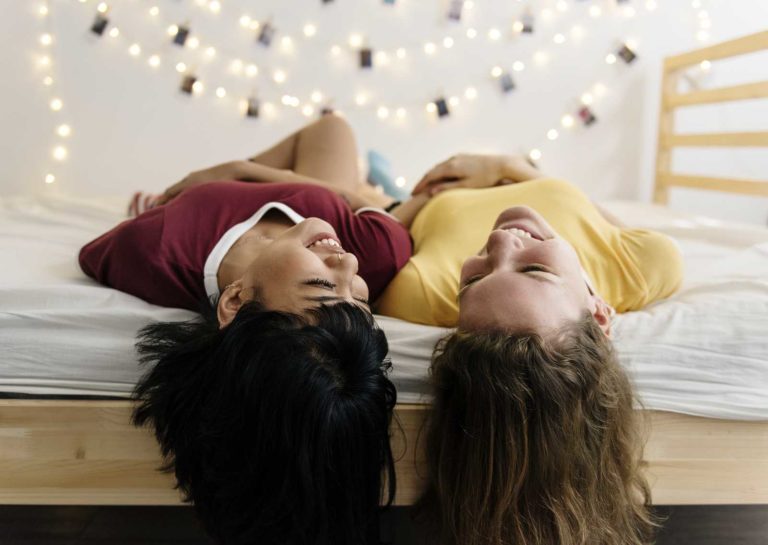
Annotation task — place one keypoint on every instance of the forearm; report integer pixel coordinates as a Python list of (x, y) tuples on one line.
[(517, 169), (407, 211), (249, 171)]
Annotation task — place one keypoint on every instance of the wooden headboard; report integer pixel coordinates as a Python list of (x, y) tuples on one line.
[(671, 99)]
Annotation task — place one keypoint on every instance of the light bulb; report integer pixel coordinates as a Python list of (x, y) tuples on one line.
[(470, 93), (471, 33), (181, 67), (193, 42), (431, 107), (215, 6), (535, 154), (308, 110), (494, 34), (595, 11), (198, 87), (705, 65), (310, 30), (210, 52), (518, 66), (102, 7), (558, 39), (361, 99), (59, 153), (552, 134), (610, 58), (447, 42), (400, 53), (245, 21), (63, 130), (587, 99), (114, 32), (317, 97), (335, 50), (50, 178), (496, 71), (429, 48), (382, 112), (400, 113), (651, 5), (453, 101), (56, 104), (400, 181), (46, 39), (134, 50), (47, 81), (221, 92), (567, 120), (279, 76), (355, 40), (236, 66), (154, 11), (252, 71)]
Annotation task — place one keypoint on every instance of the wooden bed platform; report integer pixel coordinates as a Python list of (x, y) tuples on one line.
[(87, 453)]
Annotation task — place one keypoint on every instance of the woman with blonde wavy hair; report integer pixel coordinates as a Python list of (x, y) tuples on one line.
[(533, 437)]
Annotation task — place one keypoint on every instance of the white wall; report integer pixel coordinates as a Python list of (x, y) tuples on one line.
[(132, 128)]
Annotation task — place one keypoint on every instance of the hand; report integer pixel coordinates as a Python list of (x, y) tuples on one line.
[(224, 171), (476, 171)]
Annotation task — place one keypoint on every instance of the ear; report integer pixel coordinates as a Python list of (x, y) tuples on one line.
[(602, 312), (229, 303)]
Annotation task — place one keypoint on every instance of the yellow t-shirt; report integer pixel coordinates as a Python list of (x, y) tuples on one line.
[(629, 268)]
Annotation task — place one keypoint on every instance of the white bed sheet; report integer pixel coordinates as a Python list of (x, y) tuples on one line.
[(702, 352)]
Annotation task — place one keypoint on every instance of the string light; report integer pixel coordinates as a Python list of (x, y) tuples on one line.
[(535, 154), (46, 39), (310, 30), (59, 153), (651, 5), (705, 65), (471, 33), (279, 76), (610, 58), (400, 53), (43, 10), (181, 67), (429, 48), (114, 32), (252, 71), (496, 71), (494, 34), (154, 11), (587, 99), (355, 40), (400, 181), (316, 97), (134, 50), (448, 42), (47, 81), (308, 110), (382, 112), (518, 66), (552, 134), (50, 178), (245, 21), (558, 39), (595, 11), (567, 121), (221, 92), (102, 8), (154, 61), (56, 104), (470, 93)]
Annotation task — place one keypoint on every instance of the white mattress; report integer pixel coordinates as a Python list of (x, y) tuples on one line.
[(702, 352)]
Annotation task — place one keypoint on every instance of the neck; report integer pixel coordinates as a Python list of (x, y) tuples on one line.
[(247, 247)]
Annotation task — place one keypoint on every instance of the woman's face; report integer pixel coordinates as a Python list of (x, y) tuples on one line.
[(303, 267), (525, 279)]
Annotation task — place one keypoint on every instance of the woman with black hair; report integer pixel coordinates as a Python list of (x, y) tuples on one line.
[(273, 409)]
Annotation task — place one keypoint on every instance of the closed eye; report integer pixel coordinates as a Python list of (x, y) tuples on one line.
[(534, 267), (320, 282)]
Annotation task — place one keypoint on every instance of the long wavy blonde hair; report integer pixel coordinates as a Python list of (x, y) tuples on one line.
[(534, 442)]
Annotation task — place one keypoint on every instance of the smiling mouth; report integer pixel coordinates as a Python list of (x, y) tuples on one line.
[(324, 240), (516, 229)]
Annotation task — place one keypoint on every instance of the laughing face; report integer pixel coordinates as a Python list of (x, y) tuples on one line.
[(526, 279), (304, 267)]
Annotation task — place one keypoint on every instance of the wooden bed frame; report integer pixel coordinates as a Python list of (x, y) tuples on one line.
[(87, 453)]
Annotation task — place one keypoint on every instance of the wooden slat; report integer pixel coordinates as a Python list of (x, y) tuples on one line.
[(744, 187), (745, 91), (95, 457), (726, 139), (666, 127), (731, 48)]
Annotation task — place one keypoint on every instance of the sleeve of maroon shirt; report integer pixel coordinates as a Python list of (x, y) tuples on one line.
[(129, 258)]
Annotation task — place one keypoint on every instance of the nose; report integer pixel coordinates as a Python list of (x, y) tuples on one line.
[(502, 246), (343, 262)]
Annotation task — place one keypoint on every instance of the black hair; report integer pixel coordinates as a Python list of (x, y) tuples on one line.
[(276, 426)]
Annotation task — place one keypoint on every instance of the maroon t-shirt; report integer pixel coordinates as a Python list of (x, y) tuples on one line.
[(160, 255)]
